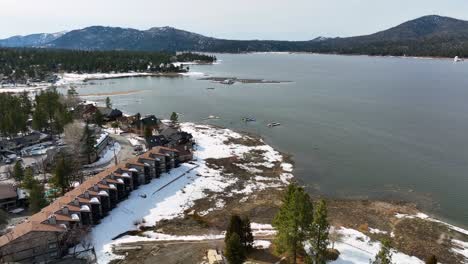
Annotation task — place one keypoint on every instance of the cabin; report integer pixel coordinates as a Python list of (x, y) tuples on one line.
[(8, 197)]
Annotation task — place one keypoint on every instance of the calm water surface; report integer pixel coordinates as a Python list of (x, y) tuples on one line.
[(358, 127)]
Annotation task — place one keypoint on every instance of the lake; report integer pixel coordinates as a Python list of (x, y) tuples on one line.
[(357, 126)]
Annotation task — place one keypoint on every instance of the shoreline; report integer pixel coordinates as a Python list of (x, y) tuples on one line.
[(196, 206)]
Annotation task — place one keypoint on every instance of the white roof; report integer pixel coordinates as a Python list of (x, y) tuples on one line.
[(133, 169), (112, 186), (125, 175), (75, 217), (85, 208), (103, 193), (94, 200), (120, 180)]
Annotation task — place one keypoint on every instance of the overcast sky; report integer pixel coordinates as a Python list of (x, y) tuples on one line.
[(235, 19)]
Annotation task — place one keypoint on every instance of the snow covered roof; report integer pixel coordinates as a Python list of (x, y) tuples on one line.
[(103, 193), (75, 217), (120, 180), (125, 175), (85, 208), (112, 186), (94, 200), (133, 169)]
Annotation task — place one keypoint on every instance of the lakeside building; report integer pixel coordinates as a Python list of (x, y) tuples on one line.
[(46, 236)]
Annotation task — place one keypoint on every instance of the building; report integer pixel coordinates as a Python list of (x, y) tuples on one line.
[(8, 197), (45, 236)]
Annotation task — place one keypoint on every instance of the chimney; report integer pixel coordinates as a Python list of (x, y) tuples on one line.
[(52, 220), (76, 201), (96, 188), (86, 195), (65, 210)]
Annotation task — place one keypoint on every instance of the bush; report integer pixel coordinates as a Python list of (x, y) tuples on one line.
[(332, 254)]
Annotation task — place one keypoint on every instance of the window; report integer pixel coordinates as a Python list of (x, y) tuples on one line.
[(53, 254), (52, 245)]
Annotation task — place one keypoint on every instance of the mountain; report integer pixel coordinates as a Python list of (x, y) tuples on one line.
[(34, 40), (425, 36)]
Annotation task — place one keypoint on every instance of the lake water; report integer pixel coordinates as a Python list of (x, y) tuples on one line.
[(357, 126)]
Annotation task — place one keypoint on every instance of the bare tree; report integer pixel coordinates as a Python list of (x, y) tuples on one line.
[(334, 237), (73, 137)]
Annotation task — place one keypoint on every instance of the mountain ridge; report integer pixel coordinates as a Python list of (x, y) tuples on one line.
[(431, 35)]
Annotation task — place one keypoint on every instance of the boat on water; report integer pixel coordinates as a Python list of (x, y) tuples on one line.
[(248, 119), (457, 59), (273, 124), (212, 117), (210, 88), (228, 81)]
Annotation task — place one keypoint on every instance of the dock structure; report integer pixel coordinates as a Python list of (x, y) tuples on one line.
[(45, 236)]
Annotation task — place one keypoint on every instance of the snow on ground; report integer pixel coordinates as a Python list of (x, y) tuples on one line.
[(261, 244), (171, 201), (355, 247), (428, 218), (106, 156), (459, 246), (77, 78)]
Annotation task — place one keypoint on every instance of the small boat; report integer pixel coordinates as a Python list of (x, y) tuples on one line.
[(210, 88), (228, 81), (273, 124), (212, 117), (248, 119), (457, 59)]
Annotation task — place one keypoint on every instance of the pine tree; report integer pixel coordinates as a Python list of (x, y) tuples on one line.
[(247, 239), (148, 132), (293, 222), (98, 118), (89, 142), (234, 227), (29, 180), (108, 103), (174, 117), (385, 255), (234, 251), (431, 260), (241, 227), (61, 178), (18, 171), (37, 200), (319, 233)]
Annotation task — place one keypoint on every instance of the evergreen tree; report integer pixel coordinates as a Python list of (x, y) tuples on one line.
[(89, 142), (37, 200), (319, 233), (98, 118), (293, 222), (108, 103), (29, 179), (115, 125), (174, 117), (235, 227), (18, 171), (241, 227), (61, 178), (431, 260), (385, 255), (247, 239), (148, 132), (234, 251)]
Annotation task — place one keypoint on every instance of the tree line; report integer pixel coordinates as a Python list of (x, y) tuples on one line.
[(48, 111), (18, 65)]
